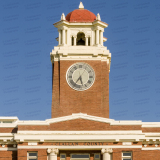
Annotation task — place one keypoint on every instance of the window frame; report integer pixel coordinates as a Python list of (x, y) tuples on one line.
[(32, 157), (79, 154), (97, 158), (126, 157), (62, 154)]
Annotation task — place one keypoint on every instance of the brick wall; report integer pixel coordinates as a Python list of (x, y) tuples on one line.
[(117, 153), (80, 125), (8, 155), (8, 130), (22, 154), (150, 129), (94, 101), (150, 155)]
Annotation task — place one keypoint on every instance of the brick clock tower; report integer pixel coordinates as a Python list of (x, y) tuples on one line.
[(80, 66), (80, 127)]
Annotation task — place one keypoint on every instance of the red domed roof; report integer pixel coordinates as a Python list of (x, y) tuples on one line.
[(80, 15)]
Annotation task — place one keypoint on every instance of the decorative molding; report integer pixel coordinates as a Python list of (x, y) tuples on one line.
[(78, 116), (14, 145), (78, 147), (53, 150), (106, 150), (127, 143), (83, 137), (83, 116), (63, 18), (8, 149), (32, 144), (151, 148), (115, 132)]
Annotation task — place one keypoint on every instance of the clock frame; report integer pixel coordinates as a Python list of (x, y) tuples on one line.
[(80, 76)]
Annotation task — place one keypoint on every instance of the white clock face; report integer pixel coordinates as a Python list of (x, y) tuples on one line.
[(80, 76)]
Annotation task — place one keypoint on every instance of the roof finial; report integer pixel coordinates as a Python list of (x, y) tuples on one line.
[(98, 17), (63, 17), (81, 5)]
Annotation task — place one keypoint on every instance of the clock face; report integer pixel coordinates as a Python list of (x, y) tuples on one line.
[(80, 76)]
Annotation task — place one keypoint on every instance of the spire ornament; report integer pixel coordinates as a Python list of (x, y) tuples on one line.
[(63, 17), (81, 5), (98, 17)]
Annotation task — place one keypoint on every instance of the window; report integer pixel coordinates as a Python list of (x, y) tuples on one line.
[(72, 41), (62, 156), (7, 121), (81, 38), (89, 41), (127, 156), (84, 156), (96, 156), (32, 156)]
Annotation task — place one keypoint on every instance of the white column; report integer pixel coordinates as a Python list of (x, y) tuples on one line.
[(101, 32), (86, 42), (75, 40), (106, 153), (66, 40), (91, 39), (97, 36), (63, 36), (52, 153), (68, 37), (59, 37)]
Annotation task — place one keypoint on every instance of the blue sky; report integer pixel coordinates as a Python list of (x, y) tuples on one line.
[(27, 36)]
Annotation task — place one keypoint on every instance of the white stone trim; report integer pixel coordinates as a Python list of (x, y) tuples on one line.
[(32, 143), (127, 143), (6, 137), (150, 124), (83, 116), (8, 118), (41, 123), (8, 125), (151, 148), (80, 24), (7, 134), (53, 150), (8, 149), (148, 134), (79, 147), (93, 118), (56, 137), (115, 132), (106, 150), (77, 116), (79, 58)]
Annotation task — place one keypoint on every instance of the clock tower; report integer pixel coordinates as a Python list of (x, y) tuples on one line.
[(80, 66)]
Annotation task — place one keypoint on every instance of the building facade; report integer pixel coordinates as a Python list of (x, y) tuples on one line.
[(80, 127)]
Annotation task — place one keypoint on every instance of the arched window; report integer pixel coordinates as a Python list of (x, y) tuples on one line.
[(89, 41), (81, 38), (72, 40)]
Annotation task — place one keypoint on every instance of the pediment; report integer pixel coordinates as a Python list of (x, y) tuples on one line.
[(79, 122), (81, 116)]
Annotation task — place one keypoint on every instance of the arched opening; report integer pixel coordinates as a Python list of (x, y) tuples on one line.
[(89, 41), (81, 38), (72, 40)]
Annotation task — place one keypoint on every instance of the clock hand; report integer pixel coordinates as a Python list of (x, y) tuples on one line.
[(81, 80), (78, 79), (83, 72)]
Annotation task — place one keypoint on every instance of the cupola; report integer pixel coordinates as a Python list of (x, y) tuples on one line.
[(81, 27)]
